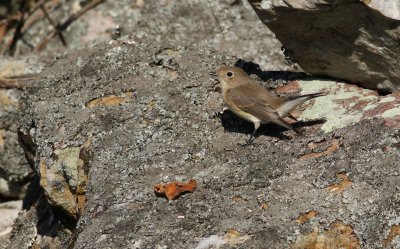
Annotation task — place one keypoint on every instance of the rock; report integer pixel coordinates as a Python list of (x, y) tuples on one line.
[(152, 115), (9, 212), (345, 104), (353, 40), (15, 172), (37, 225), (64, 180), (231, 26)]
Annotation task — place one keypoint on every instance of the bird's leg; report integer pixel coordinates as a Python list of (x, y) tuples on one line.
[(252, 137)]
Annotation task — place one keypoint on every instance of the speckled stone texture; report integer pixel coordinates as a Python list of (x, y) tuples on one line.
[(152, 115)]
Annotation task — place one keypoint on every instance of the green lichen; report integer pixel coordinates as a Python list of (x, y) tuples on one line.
[(387, 99), (391, 112), (330, 106)]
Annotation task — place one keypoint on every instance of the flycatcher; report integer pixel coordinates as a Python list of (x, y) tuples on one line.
[(254, 103)]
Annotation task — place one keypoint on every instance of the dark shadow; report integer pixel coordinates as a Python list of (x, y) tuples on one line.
[(33, 194), (50, 218), (301, 124), (253, 68), (232, 123)]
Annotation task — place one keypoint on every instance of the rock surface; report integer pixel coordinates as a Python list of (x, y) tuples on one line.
[(351, 40), (131, 115), (15, 172), (227, 25), (9, 212)]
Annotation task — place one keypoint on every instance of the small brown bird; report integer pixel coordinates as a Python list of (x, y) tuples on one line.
[(253, 102)]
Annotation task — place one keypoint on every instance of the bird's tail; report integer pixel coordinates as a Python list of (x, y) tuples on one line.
[(292, 102)]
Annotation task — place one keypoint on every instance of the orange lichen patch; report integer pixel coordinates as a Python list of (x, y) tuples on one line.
[(394, 231), (1, 138), (291, 87), (303, 218), (264, 206), (173, 190), (340, 187), (329, 150), (339, 235), (110, 100)]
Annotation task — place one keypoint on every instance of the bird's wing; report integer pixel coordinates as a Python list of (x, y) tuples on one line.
[(253, 99)]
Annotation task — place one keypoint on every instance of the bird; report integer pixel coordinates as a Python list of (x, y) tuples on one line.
[(253, 103)]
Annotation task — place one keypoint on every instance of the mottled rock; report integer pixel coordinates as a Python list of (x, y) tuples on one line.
[(351, 40), (157, 118), (344, 104), (64, 179), (9, 212)]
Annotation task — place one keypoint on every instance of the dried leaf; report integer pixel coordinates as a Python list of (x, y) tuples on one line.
[(173, 190)]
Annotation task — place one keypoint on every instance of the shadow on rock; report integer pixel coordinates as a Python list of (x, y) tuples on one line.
[(301, 124), (232, 123), (253, 68)]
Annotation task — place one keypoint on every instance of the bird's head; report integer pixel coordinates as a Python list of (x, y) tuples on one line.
[(231, 77)]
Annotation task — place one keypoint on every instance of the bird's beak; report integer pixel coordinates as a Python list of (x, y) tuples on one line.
[(213, 74)]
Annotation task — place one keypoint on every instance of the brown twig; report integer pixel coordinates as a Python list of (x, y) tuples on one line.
[(220, 29), (17, 32), (30, 17), (53, 24), (6, 24), (35, 17), (61, 27)]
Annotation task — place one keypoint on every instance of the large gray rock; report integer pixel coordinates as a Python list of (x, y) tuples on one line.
[(131, 115), (352, 40)]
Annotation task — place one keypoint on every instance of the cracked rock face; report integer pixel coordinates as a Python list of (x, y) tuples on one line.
[(152, 116), (351, 40)]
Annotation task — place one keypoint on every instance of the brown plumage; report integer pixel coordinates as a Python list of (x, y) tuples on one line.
[(253, 102)]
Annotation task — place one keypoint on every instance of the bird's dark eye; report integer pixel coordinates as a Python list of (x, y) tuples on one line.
[(229, 74)]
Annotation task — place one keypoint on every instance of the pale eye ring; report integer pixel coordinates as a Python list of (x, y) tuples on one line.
[(229, 74)]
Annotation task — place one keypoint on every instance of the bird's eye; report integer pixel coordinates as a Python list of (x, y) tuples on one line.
[(229, 74)]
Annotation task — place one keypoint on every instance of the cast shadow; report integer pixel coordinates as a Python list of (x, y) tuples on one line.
[(232, 123), (252, 68)]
